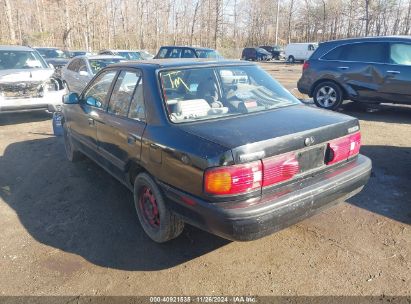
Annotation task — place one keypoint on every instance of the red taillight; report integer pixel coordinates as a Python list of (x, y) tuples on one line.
[(306, 65), (233, 179), (240, 179), (279, 169), (343, 148)]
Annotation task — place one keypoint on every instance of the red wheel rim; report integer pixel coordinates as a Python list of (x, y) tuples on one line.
[(148, 206)]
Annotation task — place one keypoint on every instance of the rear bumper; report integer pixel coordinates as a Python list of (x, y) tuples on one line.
[(253, 219), (52, 102), (304, 86)]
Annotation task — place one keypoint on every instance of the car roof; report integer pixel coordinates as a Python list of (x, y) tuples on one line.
[(113, 50), (99, 57), (186, 62), (15, 48), (378, 38), (188, 47)]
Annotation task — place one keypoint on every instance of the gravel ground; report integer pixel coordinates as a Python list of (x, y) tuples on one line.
[(70, 229)]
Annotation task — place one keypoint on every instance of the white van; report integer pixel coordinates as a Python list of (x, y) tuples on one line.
[(299, 51)]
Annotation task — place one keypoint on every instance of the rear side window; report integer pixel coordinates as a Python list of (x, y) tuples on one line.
[(187, 53), (123, 93), (74, 65), (175, 53), (359, 52), (400, 53)]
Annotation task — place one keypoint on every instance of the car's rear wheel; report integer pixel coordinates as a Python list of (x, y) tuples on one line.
[(71, 153), (291, 59), (157, 220), (328, 95)]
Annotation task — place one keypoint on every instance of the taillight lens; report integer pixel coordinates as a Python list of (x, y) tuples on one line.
[(233, 179), (306, 65), (279, 169), (343, 148)]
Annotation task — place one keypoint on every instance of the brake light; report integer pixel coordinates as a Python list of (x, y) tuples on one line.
[(343, 148), (306, 65), (279, 169), (233, 179)]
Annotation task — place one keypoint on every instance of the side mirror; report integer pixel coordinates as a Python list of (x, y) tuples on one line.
[(71, 98), (83, 73), (91, 101)]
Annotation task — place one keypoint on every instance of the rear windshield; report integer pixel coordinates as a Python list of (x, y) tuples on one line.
[(209, 93), (97, 64), (21, 60)]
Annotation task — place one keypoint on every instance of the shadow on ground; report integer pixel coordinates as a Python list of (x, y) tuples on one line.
[(79, 208), (388, 191), (389, 113), (24, 117)]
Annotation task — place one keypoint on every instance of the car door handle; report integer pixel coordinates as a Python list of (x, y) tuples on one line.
[(90, 121), (393, 72), (343, 68), (131, 139)]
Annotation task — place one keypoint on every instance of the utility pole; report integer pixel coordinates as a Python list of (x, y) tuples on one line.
[(276, 22)]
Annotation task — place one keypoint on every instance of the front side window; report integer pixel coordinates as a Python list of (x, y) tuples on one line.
[(123, 93), (400, 53), (21, 60), (96, 94), (359, 52), (208, 93)]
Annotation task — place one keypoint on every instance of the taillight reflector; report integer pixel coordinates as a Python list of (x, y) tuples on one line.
[(306, 65), (343, 148), (279, 169), (233, 179)]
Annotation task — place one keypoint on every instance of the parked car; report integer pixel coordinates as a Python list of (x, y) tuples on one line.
[(126, 54), (299, 51), (75, 53), (256, 54), (219, 145), (56, 57), (26, 81), (186, 52), (276, 51), (371, 70), (81, 69)]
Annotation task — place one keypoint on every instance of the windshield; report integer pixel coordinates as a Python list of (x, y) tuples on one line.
[(146, 55), (208, 93), (21, 60), (130, 55), (97, 64), (208, 54), (53, 53)]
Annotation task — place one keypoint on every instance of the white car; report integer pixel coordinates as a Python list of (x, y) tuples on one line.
[(26, 81), (299, 51), (81, 69)]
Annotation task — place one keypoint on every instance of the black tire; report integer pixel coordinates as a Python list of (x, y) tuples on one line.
[(72, 154), (328, 95), (157, 220), (291, 59)]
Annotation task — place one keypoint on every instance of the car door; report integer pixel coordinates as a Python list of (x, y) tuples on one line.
[(121, 127), (93, 102), (360, 68), (397, 82), (69, 74)]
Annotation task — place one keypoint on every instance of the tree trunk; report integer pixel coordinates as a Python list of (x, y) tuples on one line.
[(12, 31)]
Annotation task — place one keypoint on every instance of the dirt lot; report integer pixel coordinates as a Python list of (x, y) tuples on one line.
[(70, 229)]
